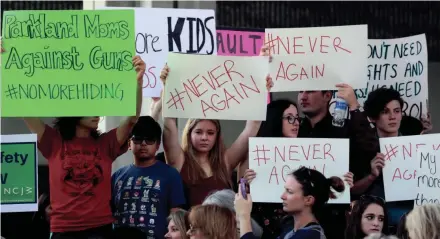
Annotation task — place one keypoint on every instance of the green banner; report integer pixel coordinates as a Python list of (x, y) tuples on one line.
[(68, 63), (18, 173)]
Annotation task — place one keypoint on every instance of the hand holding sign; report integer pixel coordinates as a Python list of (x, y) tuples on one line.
[(164, 73), (348, 178), (377, 164), (139, 65), (264, 51), (249, 175)]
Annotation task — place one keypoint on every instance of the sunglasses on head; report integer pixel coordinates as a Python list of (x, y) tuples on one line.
[(140, 139)]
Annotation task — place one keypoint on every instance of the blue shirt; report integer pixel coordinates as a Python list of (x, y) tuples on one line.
[(143, 196)]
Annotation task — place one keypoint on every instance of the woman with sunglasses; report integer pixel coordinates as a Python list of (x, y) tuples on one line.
[(368, 216), (306, 192)]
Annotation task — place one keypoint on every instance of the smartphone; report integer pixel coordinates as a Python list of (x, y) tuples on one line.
[(243, 188)]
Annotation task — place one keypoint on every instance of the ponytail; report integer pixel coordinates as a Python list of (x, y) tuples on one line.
[(337, 184)]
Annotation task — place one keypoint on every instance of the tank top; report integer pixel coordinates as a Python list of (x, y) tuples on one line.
[(197, 192)]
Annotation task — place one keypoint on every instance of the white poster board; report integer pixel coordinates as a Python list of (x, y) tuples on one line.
[(317, 58), (216, 87), (19, 173), (163, 30), (428, 178), (402, 164), (274, 158), (401, 64)]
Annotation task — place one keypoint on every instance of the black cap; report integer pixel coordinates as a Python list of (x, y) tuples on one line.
[(147, 127)]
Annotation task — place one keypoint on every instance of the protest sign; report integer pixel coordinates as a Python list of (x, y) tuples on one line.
[(216, 87), (428, 178), (19, 165), (163, 30), (274, 158), (317, 58), (400, 64), (240, 42), (404, 165), (68, 63)]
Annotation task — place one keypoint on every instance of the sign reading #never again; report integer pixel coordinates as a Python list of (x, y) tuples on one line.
[(19, 173), (68, 63)]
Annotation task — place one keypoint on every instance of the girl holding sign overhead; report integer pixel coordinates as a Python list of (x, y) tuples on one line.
[(80, 161), (202, 160)]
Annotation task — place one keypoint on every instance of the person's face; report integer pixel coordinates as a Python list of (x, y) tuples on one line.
[(290, 122), (372, 219), (195, 233), (293, 197), (389, 119), (173, 231), (144, 147), (203, 136), (89, 122), (313, 102)]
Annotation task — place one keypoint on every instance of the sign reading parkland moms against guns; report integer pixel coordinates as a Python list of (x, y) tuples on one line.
[(401, 64), (240, 42), (274, 158), (317, 58), (410, 171), (19, 166), (163, 30), (68, 63), (216, 87)]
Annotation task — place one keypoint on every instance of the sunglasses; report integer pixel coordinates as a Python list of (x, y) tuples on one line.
[(139, 140), (292, 119)]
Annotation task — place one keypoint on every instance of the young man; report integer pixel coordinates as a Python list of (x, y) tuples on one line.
[(384, 108), (318, 124), (146, 191)]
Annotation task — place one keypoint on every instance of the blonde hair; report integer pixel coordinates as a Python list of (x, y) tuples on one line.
[(216, 155), (180, 219), (423, 222), (214, 222)]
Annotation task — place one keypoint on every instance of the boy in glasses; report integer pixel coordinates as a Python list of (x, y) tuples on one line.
[(146, 191)]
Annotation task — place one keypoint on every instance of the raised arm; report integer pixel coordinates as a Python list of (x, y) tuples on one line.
[(36, 126), (124, 129), (173, 151), (156, 108)]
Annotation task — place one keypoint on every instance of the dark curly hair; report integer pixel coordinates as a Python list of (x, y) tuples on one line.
[(273, 126), (378, 99), (67, 127)]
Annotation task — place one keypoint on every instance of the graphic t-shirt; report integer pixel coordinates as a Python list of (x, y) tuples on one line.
[(79, 178), (143, 197)]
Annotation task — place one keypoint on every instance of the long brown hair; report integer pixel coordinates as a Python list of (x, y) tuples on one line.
[(216, 155), (214, 222), (180, 219)]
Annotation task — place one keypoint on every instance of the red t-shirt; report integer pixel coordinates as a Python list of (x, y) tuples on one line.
[(80, 179)]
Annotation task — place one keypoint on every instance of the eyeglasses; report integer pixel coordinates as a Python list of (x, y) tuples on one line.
[(292, 119), (372, 198), (139, 140)]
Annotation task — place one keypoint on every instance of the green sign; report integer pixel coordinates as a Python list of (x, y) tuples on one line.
[(18, 173), (68, 63)]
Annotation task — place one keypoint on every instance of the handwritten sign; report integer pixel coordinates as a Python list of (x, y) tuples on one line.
[(317, 58), (216, 87), (400, 64), (428, 178), (68, 63), (403, 164), (274, 158), (19, 173), (240, 42), (163, 30)]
